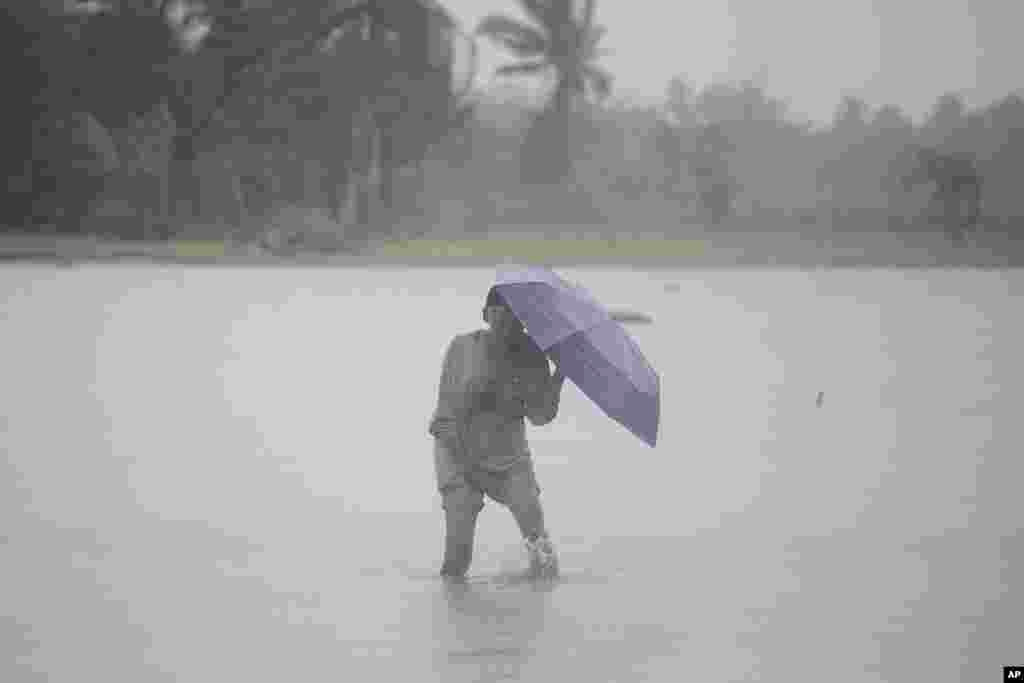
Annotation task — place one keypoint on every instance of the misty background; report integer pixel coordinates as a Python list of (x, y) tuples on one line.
[(357, 139), (218, 474), (806, 53)]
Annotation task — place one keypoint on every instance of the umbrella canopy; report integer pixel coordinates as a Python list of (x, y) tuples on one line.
[(590, 347)]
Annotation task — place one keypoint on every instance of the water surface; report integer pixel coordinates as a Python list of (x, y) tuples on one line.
[(224, 474)]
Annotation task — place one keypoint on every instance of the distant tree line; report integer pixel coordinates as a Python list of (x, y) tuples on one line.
[(956, 168), (731, 148), (135, 99), (367, 87), (732, 155)]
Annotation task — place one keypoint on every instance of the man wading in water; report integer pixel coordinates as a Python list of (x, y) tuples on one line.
[(491, 380)]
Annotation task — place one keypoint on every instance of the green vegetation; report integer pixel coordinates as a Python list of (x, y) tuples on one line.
[(365, 88), (542, 250), (352, 123)]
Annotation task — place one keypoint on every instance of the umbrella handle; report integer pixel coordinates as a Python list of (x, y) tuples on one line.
[(553, 356)]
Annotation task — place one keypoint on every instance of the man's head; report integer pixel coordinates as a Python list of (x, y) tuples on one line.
[(497, 314)]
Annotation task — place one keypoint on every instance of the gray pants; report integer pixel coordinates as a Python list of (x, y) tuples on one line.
[(463, 493)]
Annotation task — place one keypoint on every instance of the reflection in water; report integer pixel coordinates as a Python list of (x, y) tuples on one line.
[(490, 627)]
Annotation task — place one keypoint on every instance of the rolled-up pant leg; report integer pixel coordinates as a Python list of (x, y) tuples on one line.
[(462, 505), (520, 493)]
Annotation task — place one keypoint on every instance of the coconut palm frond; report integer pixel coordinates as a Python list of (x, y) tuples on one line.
[(496, 25), (521, 39), (540, 11), (588, 16), (600, 80), (522, 68), (525, 47)]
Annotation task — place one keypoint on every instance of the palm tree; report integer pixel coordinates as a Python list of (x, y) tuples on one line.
[(560, 43)]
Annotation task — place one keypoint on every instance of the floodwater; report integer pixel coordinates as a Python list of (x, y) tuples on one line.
[(224, 475)]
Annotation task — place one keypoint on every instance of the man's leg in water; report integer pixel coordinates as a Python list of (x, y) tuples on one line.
[(517, 490), (521, 494), (523, 500), (462, 505)]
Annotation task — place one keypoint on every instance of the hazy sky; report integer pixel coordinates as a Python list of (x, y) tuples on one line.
[(808, 52)]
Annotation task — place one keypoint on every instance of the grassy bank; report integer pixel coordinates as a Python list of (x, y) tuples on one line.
[(541, 250), (765, 248)]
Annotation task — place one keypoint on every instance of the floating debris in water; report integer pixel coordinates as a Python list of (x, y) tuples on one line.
[(487, 652), (631, 317)]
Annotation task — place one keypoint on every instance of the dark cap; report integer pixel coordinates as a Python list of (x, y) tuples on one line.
[(495, 299)]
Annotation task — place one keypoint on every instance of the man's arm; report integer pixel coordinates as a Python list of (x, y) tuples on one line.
[(448, 394), (541, 404)]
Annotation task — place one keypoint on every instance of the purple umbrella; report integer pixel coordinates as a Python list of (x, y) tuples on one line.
[(591, 348)]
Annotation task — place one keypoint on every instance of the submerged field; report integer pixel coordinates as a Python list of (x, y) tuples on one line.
[(224, 474)]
